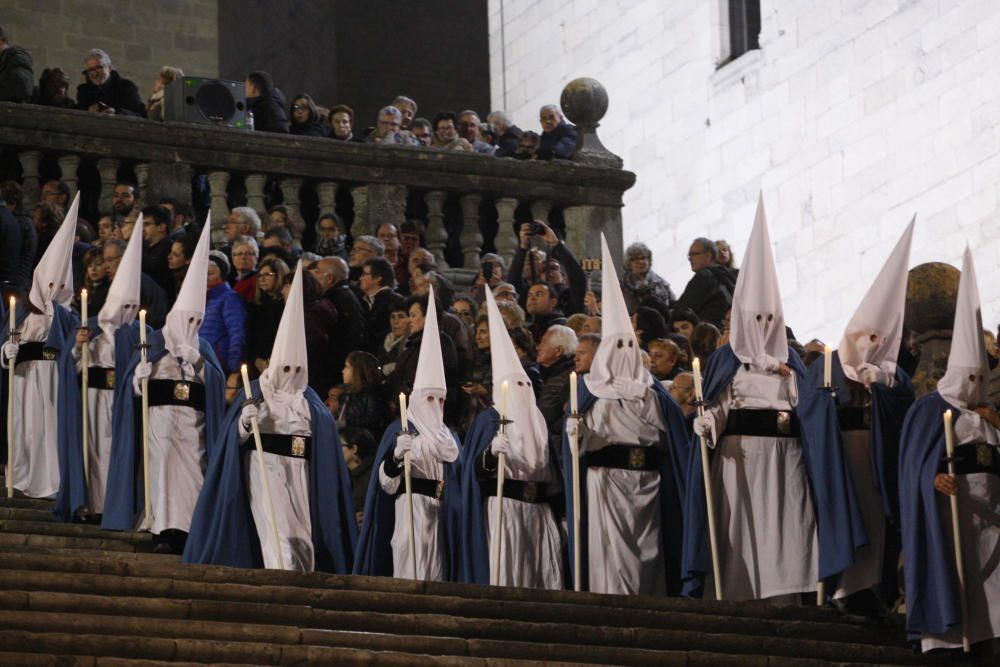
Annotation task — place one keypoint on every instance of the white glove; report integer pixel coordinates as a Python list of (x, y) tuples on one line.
[(404, 444), (703, 425), (629, 389), (10, 349), (766, 363), (573, 426), (142, 372), (871, 374), (251, 411), (500, 445)]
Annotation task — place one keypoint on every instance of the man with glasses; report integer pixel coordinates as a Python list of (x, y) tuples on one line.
[(709, 293), (105, 91), (56, 192), (558, 140), (364, 248), (330, 239), (388, 129), (151, 295), (375, 282), (245, 254)]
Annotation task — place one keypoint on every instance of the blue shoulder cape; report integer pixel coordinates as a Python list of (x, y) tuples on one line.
[(931, 581), (374, 552), (223, 531), (123, 499), (674, 445), (72, 493)]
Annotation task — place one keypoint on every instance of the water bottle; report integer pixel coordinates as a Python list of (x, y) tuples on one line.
[(250, 120)]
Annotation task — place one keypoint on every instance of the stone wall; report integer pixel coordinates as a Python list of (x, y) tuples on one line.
[(139, 36), (853, 116)]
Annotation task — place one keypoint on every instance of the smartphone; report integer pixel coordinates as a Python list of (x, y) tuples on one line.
[(488, 270)]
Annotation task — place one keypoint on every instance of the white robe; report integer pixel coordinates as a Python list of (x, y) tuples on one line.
[(99, 414), (288, 480), (177, 455), (428, 525), (979, 526), (867, 569), (764, 511), (624, 517), (36, 393)]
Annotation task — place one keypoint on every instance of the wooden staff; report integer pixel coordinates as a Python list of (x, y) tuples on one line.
[(145, 423), (84, 383), (574, 449), (706, 478), (828, 386), (404, 424), (498, 527), (12, 335), (263, 470), (949, 441)]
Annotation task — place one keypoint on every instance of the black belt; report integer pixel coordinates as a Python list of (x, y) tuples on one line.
[(292, 446), (99, 378), (974, 457), (516, 489), (432, 488), (35, 351), (626, 457), (177, 392), (762, 423), (854, 418)]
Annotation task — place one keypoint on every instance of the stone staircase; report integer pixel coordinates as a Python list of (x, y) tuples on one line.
[(76, 595)]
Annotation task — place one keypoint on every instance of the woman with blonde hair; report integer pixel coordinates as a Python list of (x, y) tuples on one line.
[(154, 106)]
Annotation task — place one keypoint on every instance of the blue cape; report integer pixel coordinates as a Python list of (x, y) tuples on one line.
[(72, 493), (223, 531), (673, 446), (374, 553), (932, 604), (123, 499)]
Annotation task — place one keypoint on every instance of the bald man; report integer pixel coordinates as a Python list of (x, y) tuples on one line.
[(332, 274)]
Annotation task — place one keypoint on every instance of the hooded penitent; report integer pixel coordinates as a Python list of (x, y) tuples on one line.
[(618, 354), (122, 304), (180, 333), (426, 406), (527, 432), (52, 281), (757, 322), (873, 335), (284, 382), (964, 382)]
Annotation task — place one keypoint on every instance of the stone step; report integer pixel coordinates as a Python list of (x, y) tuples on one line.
[(26, 514), (59, 529), (57, 541), (22, 501), (48, 660)]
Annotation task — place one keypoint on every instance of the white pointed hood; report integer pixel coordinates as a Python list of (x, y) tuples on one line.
[(964, 382), (875, 331), (426, 406), (284, 381), (52, 281), (757, 322), (527, 432), (618, 354), (180, 333), (122, 305)]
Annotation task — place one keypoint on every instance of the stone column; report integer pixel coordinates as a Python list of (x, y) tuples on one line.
[(361, 224), (506, 241), (326, 192), (472, 237), (142, 182), (31, 187), (386, 203), (108, 169), (168, 180), (255, 192), (217, 182), (436, 236), (290, 190), (540, 210), (584, 225), (68, 166)]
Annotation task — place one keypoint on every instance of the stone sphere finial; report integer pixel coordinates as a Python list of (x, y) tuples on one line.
[(931, 297), (584, 101)]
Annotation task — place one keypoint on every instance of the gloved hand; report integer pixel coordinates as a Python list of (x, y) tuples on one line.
[(629, 389), (10, 350), (871, 374), (404, 444), (703, 425), (251, 411), (500, 445), (573, 426), (142, 371)]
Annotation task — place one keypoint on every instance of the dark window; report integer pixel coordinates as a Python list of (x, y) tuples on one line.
[(744, 27)]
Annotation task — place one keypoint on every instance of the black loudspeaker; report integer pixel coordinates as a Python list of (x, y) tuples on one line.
[(193, 99)]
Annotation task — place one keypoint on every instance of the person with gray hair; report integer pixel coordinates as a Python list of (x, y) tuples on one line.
[(508, 134), (105, 91), (556, 357), (243, 221), (558, 140), (388, 129), (709, 293), (408, 108), (641, 285), (468, 129)]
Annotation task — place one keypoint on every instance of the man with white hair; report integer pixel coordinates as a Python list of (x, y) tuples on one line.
[(508, 134), (556, 357), (558, 140), (105, 91), (408, 109), (468, 129), (389, 130), (243, 221)]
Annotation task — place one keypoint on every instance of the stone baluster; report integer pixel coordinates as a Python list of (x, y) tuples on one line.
[(290, 190), (326, 192), (68, 166), (361, 224), (31, 187), (255, 192), (584, 225), (142, 181), (540, 210), (218, 181), (471, 239), (506, 241), (436, 236), (108, 170)]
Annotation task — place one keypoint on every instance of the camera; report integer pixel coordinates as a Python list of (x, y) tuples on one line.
[(488, 271), (537, 229)]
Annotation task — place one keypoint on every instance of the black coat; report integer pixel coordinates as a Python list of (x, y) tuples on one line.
[(349, 332), (268, 113), (365, 409), (555, 394), (558, 144), (10, 248), (507, 143), (25, 257), (262, 326), (312, 128), (117, 92), (377, 319), (709, 294), (17, 80)]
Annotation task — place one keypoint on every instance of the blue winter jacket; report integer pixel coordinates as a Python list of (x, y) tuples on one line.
[(225, 326)]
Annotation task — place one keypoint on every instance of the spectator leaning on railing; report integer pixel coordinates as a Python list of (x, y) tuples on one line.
[(16, 76), (106, 91)]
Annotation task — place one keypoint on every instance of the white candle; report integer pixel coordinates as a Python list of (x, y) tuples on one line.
[(696, 371), (949, 434), (246, 380), (403, 423), (13, 308), (827, 365), (142, 327), (572, 393), (503, 400), (83, 307)]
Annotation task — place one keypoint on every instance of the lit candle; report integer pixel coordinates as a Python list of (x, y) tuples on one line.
[(142, 326), (949, 434), (246, 380), (83, 307), (572, 393), (13, 308), (827, 366), (503, 400), (403, 423), (696, 371)]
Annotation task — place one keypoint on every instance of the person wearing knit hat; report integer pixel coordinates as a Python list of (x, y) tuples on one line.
[(186, 402), (383, 546), (633, 448), (304, 469), (110, 336), (531, 554), (934, 616), (46, 396), (850, 438), (225, 327), (767, 545)]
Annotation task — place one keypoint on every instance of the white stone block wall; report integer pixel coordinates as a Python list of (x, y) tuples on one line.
[(853, 116)]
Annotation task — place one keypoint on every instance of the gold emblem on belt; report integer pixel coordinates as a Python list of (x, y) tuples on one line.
[(637, 458), (784, 422), (298, 445), (182, 391)]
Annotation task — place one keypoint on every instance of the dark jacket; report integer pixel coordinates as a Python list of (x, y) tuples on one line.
[(555, 393), (571, 295), (10, 248), (26, 253), (377, 319), (321, 320), (541, 324), (117, 92), (262, 326), (366, 409), (507, 143), (225, 326), (17, 80), (154, 264), (559, 144), (349, 332), (709, 294), (312, 128), (268, 112)]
